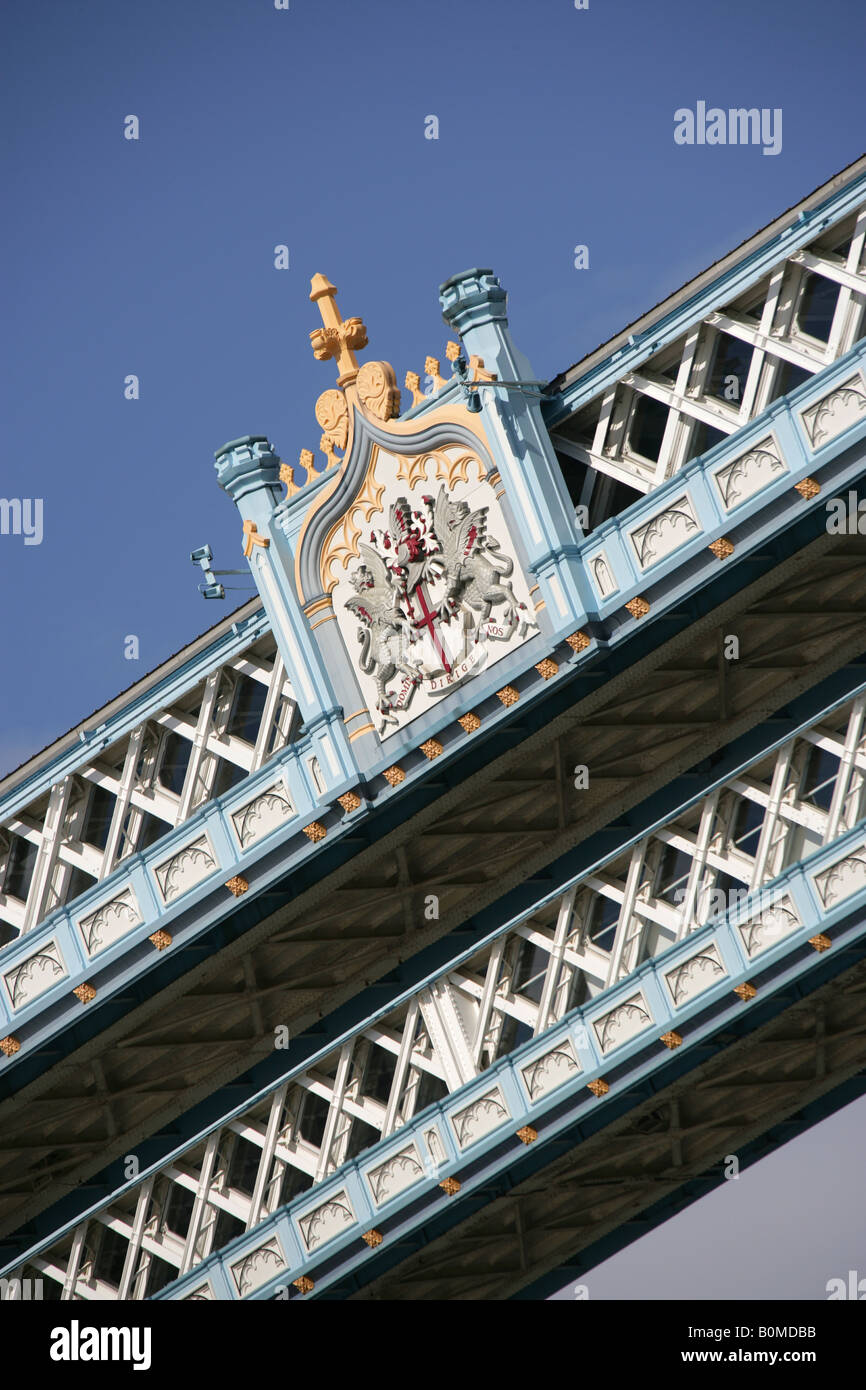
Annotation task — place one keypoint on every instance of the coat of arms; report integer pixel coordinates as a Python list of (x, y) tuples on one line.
[(430, 593)]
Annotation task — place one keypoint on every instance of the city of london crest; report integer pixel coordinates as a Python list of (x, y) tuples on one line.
[(435, 596)]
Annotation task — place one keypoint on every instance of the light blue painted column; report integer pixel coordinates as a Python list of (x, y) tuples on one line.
[(474, 305), (248, 469)]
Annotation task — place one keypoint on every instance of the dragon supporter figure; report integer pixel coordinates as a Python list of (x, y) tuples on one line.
[(446, 547)]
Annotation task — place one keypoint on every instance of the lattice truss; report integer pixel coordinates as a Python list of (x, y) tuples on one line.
[(77, 831), (602, 926), (727, 369)]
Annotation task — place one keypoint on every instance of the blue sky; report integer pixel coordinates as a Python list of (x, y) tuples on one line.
[(305, 127)]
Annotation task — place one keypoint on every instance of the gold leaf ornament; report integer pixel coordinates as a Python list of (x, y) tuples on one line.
[(332, 414), (378, 391)]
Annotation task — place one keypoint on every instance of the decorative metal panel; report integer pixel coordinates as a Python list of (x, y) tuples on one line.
[(110, 921), (550, 1070), (694, 975), (35, 975), (664, 532), (622, 1023), (602, 574), (398, 1172), (185, 869), (835, 412), (266, 812), (435, 1146), (484, 1114), (842, 880), (770, 926), (258, 1267), (326, 1221), (748, 473)]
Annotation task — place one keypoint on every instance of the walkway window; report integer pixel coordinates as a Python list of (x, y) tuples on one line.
[(97, 819), (150, 830), (228, 776), (673, 875), (704, 437), (747, 826), (19, 869), (175, 761), (247, 707), (730, 369), (820, 778), (603, 922), (817, 307), (379, 1074), (788, 377), (79, 882), (648, 427)]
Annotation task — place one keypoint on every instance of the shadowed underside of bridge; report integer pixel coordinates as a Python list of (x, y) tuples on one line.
[(611, 1188), (634, 724)]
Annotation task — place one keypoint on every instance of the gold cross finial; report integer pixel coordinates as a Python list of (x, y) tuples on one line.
[(339, 337)]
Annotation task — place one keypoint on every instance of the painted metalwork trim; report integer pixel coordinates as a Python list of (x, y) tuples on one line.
[(350, 1185)]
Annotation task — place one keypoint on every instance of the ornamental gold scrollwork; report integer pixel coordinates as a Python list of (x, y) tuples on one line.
[(332, 414), (342, 542), (378, 391)]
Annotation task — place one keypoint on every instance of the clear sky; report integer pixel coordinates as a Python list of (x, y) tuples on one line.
[(305, 127)]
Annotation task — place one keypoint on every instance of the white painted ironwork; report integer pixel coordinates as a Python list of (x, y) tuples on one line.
[(521, 982), (64, 841), (765, 319)]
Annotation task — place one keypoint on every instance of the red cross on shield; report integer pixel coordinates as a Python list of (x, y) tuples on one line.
[(428, 621)]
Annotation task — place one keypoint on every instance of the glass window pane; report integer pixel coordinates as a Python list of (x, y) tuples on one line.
[(246, 715), (820, 778), (160, 1273), (108, 1266), (314, 1113), (361, 1137), (152, 827), (647, 427), (228, 775), (175, 760), (79, 882), (529, 971), (730, 369), (227, 1227), (602, 927), (430, 1089), (178, 1209), (673, 875), (97, 820), (19, 869), (291, 1183), (747, 826), (379, 1075), (514, 1033), (703, 438), (788, 377), (817, 307), (244, 1166)]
